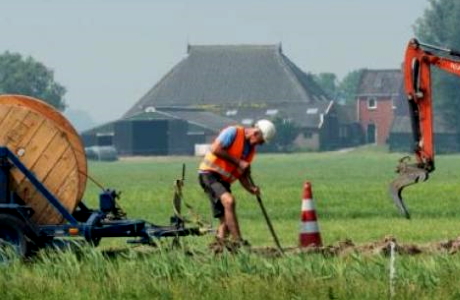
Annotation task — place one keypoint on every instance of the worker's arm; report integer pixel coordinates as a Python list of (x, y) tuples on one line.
[(248, 185)]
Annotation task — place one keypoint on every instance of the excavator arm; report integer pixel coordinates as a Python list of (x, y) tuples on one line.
[(419, 58)]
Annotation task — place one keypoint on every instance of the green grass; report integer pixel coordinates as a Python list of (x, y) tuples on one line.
[(352, 202)]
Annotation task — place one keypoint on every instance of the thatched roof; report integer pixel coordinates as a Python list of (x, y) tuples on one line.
[(232, 76)]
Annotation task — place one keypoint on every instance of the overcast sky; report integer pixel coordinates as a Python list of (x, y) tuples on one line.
[(109, 53)]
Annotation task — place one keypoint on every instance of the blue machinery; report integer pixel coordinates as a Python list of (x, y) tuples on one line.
[(17, 228)]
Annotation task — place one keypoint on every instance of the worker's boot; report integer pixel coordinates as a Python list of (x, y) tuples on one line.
[(217, 246), (235, 246)]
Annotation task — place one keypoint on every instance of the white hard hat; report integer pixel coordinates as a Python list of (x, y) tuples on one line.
[(267, 128)]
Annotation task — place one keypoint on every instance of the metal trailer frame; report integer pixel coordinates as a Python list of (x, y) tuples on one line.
[(17, 227)]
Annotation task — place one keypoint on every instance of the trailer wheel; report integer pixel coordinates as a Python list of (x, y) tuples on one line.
[(90, 237), (13, 240)]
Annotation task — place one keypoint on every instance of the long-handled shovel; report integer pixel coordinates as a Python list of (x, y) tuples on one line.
[(267, 219)]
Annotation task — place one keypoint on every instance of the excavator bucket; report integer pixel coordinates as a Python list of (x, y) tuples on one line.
[(408, 175)]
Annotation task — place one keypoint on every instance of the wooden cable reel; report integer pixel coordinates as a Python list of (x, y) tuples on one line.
[(48, 145)]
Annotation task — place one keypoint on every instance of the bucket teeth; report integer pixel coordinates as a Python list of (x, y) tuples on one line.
[(408, 175)]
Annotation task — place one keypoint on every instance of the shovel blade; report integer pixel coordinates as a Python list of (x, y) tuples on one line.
[(407, 176)]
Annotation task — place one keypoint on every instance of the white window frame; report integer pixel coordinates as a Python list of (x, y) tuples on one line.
[(369, 103), (312, 111)]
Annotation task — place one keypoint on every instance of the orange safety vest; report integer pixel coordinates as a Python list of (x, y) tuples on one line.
[(227, 170)]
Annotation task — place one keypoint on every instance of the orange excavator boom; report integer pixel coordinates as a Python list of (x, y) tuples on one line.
[(418, 60)]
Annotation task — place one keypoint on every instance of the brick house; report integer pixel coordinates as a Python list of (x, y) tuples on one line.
[(380, 98)]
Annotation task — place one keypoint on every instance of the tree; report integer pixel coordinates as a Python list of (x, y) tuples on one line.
[(349, 86), (440, 25), (31, 78), (328, 82), (343, 91)]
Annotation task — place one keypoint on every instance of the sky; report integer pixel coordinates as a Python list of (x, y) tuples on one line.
[(109, 53)]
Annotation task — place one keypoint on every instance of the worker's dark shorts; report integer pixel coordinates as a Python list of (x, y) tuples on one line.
[(215, 187)]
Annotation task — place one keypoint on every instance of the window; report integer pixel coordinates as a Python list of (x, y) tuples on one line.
[(308, 134), (247, 122), (371, 103), (271, 112), (231, 112)]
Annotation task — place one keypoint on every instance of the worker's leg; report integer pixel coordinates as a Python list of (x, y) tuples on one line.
[(215, 189), (222, 230), (231, 221)]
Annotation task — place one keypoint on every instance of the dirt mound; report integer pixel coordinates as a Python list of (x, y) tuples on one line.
[(383, 247)]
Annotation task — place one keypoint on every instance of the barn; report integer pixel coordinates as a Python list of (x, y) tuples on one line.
[(218, 85)]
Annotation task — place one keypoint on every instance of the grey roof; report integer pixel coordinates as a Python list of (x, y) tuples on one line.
[(380, 82), (106, 128), (402, 124), (197, 117), (151, 115), (306, 115), (201, 118), (232, 75)]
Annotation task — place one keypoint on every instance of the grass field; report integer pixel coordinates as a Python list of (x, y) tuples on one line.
[(352, 202)]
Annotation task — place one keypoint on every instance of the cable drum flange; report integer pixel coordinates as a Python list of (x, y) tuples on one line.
[(47, 144)]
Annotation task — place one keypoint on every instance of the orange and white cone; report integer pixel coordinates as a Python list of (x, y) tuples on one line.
[(309, 229)]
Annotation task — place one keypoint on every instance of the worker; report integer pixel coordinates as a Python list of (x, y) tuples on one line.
[(229, 159)]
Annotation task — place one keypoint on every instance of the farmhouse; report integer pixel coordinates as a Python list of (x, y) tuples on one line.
[(218, 85)]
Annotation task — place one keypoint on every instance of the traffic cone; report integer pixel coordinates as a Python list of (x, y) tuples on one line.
[(309, 229)]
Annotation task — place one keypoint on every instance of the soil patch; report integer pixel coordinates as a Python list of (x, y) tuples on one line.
[(382, 247)]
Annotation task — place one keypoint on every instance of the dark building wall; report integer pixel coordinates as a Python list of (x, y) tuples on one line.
[(351, 135), (329, 133), (339, 132), (152, 137), (141, 137), (444, 142), (122, 139), (104, 139), (94, 139), (178, 141), (89, 139)]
